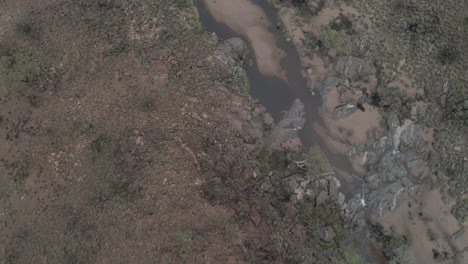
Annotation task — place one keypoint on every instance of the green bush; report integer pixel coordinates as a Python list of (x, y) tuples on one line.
[(25, 28), (184, 240), (14, 69), (332, 39), (315, 217), (460, 210), (316, 162), (403, 256), (352, 257), (183, 3), (237, 76)]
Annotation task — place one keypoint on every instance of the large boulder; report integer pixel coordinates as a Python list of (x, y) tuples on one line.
[(299, 186), (371, 158), (352, 67), (382, 146), (393, 122), (412, 136), (327, 233), (418, 168), (288, 127), (387, 198), (388, 184), (391, 169), (325, 86), (231, 52), (344, 111), (373, 180), (409, 135)]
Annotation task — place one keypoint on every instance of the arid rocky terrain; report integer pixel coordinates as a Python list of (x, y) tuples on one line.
[(233, 131)]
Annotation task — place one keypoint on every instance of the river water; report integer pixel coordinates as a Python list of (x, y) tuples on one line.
[(275, 75)]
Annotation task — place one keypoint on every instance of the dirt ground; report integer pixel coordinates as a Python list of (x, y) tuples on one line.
[(430, 228), (107, 145)]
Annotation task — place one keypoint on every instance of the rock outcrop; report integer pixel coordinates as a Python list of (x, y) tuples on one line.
[(231, 52), (344, 111), (394, 168), (288, 127), (352, 68)]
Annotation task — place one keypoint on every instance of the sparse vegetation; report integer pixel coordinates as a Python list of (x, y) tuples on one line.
[(237, 77), (184, 240), (25, 27), (315, 161), (22, 172), (352, 257), (17, 243), (396, 249), (14, 69), (103, 141), (449, 55), (403, 257), (432, 236), (460, 210), (314, 218)]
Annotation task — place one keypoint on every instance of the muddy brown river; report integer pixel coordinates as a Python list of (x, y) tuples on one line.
[(275, 76)]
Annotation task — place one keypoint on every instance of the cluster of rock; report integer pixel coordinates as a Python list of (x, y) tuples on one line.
[(392, 173), (392, 157), (320, 187)]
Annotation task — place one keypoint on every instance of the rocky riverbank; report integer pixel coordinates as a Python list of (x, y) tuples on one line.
[(344, 62), (293, 188)]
